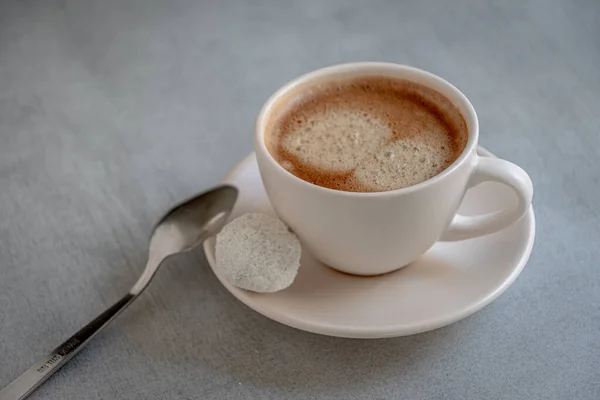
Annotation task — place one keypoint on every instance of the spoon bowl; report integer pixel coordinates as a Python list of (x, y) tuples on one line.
[(196, 218)]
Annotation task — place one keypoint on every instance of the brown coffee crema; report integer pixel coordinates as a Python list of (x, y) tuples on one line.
[(365, 134)]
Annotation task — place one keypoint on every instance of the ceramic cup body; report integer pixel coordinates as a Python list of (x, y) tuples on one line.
[(375, 233)]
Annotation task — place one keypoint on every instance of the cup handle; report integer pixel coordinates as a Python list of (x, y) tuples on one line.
[(498, 170)]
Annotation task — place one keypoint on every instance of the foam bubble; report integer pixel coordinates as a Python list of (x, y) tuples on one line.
[(287, 165)]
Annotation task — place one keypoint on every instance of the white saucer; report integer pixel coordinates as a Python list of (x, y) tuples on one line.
[(450, 282)]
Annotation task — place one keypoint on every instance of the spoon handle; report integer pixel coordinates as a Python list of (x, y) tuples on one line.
[(49, 364)]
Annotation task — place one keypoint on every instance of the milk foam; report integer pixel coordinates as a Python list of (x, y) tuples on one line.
[(404, 163), (367, 134), (336, 140)]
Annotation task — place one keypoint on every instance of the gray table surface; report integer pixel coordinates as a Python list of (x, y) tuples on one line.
[(110, 111)]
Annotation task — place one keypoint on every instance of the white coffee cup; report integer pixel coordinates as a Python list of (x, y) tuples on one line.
[(375, 233)]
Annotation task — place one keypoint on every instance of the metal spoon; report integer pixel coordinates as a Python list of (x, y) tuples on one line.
[(181, 229)]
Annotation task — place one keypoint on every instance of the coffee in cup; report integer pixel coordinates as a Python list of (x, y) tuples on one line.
[(365, 134)]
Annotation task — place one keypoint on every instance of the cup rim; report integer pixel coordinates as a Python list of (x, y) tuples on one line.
[(465, 107)]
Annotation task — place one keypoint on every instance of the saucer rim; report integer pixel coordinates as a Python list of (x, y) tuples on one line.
[(361, 332)]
